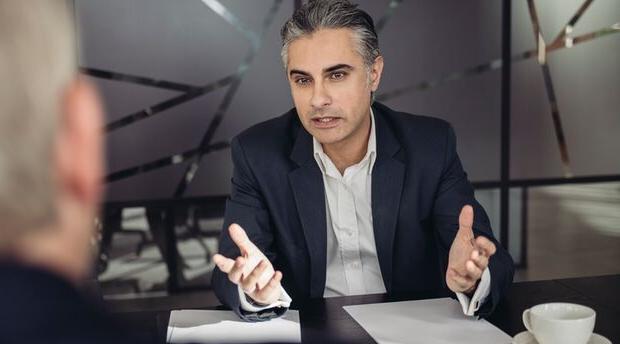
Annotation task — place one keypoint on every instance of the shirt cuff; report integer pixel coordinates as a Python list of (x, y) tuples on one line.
[(284, 301), (484, 288)]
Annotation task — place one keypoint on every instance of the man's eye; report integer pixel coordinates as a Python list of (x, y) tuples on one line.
[(302, 81), (338, 75)]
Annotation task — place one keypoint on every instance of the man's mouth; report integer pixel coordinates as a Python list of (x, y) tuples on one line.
[(324, 119), (325, 122)]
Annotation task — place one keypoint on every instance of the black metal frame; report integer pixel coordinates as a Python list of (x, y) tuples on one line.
[(524, 226), (505, 122), (533, 182)]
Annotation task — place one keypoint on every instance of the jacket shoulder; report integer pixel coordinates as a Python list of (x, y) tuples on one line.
[(411, 126), (273, 136)]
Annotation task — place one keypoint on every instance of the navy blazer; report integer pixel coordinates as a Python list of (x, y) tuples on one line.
[(39, 307), (418, 190)]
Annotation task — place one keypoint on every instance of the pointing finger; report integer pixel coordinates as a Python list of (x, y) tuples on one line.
[(240, 238)]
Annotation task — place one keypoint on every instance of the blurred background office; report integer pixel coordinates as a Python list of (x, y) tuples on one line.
[(532, 88)]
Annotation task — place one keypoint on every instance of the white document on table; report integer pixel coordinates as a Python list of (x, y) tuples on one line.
[(204, 326), (439, 321)]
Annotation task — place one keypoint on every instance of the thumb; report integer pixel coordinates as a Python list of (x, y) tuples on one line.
[(238, 236), (466, 221), (223, 263)]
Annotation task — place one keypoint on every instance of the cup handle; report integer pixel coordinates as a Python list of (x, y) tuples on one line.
[(526, 319)]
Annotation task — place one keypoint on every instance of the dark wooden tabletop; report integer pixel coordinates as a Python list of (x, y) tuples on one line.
[(325, 321)]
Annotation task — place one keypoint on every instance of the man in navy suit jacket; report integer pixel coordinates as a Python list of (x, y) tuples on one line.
[(338, 197)]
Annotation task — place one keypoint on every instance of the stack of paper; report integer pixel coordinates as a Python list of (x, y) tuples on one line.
[(199, 326), (438, 321)]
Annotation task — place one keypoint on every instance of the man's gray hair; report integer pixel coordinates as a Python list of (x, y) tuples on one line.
[(332, 14), (37, 63)]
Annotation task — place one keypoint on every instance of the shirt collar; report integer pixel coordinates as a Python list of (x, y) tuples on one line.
[(371, 151)]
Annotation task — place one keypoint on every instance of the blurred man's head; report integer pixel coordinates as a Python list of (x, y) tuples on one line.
[(331, 55), (50, 140)]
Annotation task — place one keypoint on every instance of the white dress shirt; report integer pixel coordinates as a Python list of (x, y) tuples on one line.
[(352, 261)]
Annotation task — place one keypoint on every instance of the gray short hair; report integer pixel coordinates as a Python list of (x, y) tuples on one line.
[(37, 63), (332, 14)]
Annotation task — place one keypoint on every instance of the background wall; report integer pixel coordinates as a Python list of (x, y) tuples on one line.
[(153, 58), (180, 78), (586, 80), (189, 42)]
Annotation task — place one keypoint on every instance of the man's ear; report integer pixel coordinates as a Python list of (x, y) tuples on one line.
[(375, 73), (79, 143)]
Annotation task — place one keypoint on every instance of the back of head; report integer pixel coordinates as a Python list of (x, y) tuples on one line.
[(37, 63)]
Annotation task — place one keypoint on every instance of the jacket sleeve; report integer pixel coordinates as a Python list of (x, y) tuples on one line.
[(454, 192), (247, 208)]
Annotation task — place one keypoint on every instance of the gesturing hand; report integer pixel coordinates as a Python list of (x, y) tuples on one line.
[(468, 256), (252, 271)]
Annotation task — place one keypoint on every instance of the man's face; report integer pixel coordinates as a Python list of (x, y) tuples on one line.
[(331, 85), (79, 169)]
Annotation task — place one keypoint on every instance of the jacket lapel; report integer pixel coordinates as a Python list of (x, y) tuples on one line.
[(388, 175), (308, 191)]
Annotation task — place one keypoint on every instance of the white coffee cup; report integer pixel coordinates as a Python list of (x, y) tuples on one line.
[(565, 323)]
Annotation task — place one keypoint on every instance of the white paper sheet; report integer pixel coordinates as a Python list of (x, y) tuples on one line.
[(439, 321), (202, 326)]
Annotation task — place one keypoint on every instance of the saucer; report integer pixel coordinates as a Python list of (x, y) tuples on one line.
[(527, 338)]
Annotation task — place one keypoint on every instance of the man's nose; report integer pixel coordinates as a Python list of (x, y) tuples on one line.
[(320, 96)]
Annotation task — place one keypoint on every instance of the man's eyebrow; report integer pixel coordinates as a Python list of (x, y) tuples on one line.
[(337, 67), (325, 71), (297, 71)]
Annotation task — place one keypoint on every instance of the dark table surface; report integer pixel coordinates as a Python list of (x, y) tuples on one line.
[(324, 320)]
